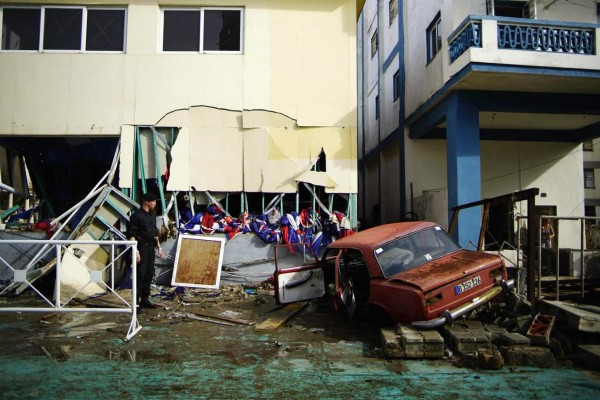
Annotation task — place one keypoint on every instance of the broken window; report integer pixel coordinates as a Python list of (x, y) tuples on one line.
[(64, 28), (202, 30)]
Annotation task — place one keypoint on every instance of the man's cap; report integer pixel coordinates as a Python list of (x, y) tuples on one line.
[(149, 196)]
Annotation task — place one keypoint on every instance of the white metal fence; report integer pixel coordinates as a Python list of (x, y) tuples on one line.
[(21, 265)]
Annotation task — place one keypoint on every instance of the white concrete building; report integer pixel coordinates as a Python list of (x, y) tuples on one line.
[(461, 100), (247, 97)]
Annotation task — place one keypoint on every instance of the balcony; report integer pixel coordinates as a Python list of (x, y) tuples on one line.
[(533, 53)]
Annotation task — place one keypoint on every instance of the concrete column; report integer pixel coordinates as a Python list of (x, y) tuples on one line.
[(464, 166)]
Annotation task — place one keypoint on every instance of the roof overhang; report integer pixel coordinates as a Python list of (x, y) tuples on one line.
[(518, 103)]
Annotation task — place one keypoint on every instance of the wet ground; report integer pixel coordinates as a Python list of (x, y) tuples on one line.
[(316, 354)]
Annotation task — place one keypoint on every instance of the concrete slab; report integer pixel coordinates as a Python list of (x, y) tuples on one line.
[(529, 356), (463, 341), (513, 338), (407, 342), (578, 319)]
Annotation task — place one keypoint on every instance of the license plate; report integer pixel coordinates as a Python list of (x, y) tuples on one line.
[(470, 284)]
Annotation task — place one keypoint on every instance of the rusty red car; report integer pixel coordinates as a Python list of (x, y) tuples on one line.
[(406, 272)]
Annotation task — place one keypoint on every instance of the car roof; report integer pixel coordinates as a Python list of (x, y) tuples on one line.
[(374, 237)]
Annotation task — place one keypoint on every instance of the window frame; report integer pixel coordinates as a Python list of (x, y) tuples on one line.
[(589, 173), (374, 43), (201, 10), (396, 85), (434, 27), (392, 10), (82, 34)]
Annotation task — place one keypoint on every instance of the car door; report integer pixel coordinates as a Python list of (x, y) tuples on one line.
[(298, 274), (343, 298)]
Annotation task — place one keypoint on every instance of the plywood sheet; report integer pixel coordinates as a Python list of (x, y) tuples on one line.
[(279, 317), (198, 261)]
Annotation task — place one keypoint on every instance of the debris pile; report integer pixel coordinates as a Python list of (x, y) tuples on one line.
[(508, 333)]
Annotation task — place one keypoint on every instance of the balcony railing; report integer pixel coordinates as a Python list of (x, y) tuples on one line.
[(525, 34), (468, 35)]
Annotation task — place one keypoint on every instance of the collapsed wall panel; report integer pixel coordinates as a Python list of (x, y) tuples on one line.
[(256, 151)]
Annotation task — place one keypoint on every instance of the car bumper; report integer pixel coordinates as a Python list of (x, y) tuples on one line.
[(451, 315)]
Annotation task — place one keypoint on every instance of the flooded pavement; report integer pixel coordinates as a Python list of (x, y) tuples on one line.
[(315, 354)]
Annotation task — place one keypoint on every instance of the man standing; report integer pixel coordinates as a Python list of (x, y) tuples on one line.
[(142, 227)]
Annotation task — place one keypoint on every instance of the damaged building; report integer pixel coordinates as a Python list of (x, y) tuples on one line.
[(246, 101)]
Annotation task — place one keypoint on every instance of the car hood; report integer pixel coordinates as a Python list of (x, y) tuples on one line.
[(447, 269)]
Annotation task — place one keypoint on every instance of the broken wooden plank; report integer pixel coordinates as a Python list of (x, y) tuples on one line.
[(279, 317)]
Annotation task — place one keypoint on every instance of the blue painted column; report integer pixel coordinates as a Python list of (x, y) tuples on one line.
[(464, 166)]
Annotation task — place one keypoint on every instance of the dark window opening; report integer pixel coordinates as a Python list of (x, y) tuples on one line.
[(377, 107), (500, 228), (514, 9), (21, 29), (396, 85), (590, 211), (374, 44), (434, 37), (589, 179), (62, 28), (181, 30), (222, 30), (202, 30), (105, 30), (321, 164)]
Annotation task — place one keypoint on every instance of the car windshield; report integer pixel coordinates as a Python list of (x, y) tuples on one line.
[(411, 251)]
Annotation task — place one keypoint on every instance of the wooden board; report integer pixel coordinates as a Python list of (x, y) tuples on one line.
[(279, 317), (198, 261)]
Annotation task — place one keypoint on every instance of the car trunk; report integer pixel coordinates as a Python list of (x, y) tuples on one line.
[(452, 267)]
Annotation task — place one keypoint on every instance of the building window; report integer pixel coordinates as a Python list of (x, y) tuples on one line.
[(588, 176), (393, 9), (588, 145), (397, 85), (374, 44), (105, 30), (434, 37), (64, 29), (511, 8), (203, 30), (377, 108)]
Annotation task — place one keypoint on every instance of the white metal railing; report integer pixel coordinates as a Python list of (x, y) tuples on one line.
[(22, 277)]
